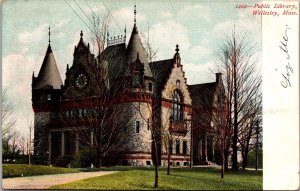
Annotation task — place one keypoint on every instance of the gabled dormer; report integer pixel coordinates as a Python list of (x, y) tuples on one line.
[(82, 53), (137, 71), (83, 75)]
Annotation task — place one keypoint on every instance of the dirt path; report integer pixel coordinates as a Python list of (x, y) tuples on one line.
[(45, 181)]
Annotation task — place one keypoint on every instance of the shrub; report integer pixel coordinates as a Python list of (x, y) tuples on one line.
[(84, 158)]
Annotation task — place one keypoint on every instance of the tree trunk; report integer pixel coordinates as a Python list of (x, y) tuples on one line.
[(156, 168), (226, 160), (222, 166), (169, 155), (245, 161), (222, 159), (100, 163), (235, 112), (156, 177)]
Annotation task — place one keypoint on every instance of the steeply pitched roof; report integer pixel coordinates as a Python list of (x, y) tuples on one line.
[(135, 47), (161, 71), (202, 94), (49, 75), (115, 55)]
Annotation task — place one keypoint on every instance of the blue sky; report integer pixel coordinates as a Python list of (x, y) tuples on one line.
[(199, 27)]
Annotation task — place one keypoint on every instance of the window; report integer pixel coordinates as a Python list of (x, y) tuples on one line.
[(84, 112), (171, 147), (184, 147), (137, 127), (80, 113), (150, 86), (148, 124), (177, 107), (67, 113), (49, 97), (177, 82), (177, 146)]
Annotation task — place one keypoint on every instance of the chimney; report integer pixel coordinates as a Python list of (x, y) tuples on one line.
[(218, 77)]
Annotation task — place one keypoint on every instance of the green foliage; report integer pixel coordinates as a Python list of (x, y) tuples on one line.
[(17, 170), (84, 158), (180, 178), (252, 160)]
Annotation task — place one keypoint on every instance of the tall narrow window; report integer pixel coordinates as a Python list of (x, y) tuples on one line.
[(177, 107), (49, 97), (67, 113), (177, 147), (137, 127), (171, 147), (148, 124), (150, 86), (184, 147), (84, 112)]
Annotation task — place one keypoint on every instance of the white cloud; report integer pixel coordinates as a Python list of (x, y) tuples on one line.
[(17, 73), (250, 25), (198, 51), (94, 9), (61, 23), (198, 73), (198, 11), (165, 35), (34, 35), (165, 14), (125, 16)]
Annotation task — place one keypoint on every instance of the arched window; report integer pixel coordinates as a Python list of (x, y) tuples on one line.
[(177, 107)]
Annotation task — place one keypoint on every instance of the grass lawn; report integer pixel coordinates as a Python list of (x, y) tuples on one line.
[(16, 170), (180, 178)]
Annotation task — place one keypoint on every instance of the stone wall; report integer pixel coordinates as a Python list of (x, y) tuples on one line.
[(140, 141)]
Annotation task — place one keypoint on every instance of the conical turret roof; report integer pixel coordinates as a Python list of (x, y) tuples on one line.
[(48, 76), (134, 48)]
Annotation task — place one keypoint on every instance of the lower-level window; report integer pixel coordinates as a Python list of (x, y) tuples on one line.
[(177, 146), (184, 148), (170, 147), (137, 127)]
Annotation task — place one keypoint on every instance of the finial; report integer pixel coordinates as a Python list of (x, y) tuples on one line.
[(125, 31), (134, 14), (81, 34), (177, 49), (49, 35)]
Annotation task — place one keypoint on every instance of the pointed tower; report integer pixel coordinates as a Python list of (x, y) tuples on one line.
[(48, 77), (141, 95), (46, 91), (135, 47)]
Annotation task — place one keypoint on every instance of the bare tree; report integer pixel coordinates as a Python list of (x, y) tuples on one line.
[(8, 120), (210, 118), (242, 84), (101, 123)]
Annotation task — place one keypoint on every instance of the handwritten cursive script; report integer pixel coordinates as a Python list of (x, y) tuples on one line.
[(288, 69)]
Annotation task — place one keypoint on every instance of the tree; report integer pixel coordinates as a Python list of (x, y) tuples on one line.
[(242, 86), (210, 119), (8, 120), (103, 123)]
